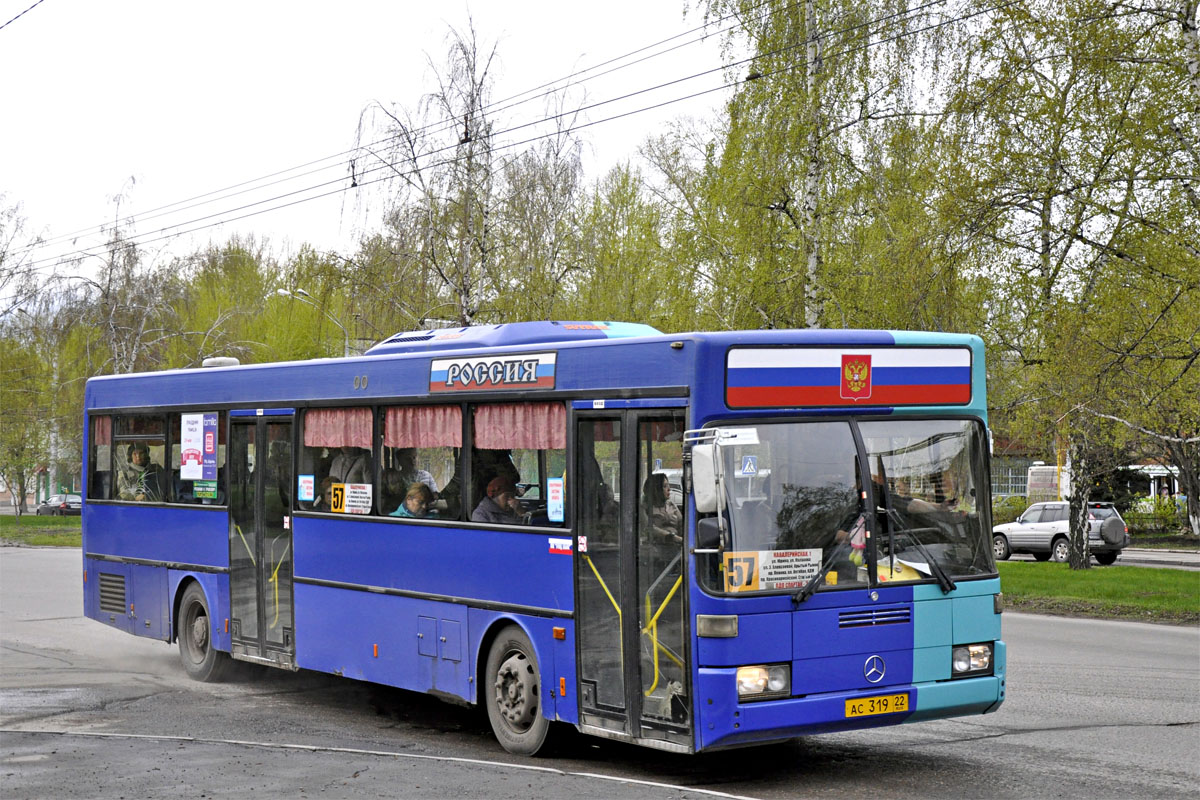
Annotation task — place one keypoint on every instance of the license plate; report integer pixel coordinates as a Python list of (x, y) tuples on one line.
[(882, 704)]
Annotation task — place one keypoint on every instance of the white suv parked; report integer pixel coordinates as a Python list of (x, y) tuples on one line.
[(1043, 530)]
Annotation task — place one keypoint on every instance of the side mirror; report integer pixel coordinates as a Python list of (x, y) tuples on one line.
[(704, 479), (708, 534)]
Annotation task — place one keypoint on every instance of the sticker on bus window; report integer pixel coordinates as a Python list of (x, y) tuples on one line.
[(554, 499), (306, 488), (357, 498), (204, 490), (770, 570)]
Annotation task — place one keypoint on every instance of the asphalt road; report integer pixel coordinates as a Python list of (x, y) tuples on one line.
[(1095, 710)]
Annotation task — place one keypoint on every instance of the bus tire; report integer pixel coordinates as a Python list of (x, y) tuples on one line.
[(513, 693), (202, 661)]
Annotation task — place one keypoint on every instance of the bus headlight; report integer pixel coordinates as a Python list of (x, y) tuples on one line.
[(971, 659), (764, 682)]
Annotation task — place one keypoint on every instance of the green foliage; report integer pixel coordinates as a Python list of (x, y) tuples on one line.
[(1007, 509), (1156, 516), (24, 397)]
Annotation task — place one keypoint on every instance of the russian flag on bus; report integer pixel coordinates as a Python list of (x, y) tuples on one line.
[(778, 377)]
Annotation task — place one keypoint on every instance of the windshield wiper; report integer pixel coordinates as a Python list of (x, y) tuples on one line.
[(943, 579), (806, 591)]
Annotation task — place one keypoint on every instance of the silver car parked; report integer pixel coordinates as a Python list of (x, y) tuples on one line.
[(1044, 527)]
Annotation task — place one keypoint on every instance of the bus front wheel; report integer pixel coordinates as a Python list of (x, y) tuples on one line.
[(202, 661), (513, 693)]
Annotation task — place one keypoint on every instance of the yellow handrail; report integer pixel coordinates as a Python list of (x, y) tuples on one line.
[(651, 630), (245, 544), (603, 586), (275, 580)]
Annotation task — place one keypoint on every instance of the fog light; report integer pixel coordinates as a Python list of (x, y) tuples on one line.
[(971, 659), (764, 682)]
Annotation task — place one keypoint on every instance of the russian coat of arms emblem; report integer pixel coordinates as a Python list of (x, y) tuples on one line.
[(856, 377)]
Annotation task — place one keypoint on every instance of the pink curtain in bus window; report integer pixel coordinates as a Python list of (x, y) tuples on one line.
[(524, 426), (423, 426), (101, 430), (338, 427)]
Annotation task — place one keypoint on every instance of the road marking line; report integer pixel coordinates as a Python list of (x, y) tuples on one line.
[(387, 753)]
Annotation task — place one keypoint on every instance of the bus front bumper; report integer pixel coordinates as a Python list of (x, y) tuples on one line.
[(725, 723)]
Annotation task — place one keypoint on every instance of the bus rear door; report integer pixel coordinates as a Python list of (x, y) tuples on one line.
[(260, 537)]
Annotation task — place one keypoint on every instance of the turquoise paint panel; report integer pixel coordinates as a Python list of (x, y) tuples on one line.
[(956, 698), (931, 664), (975, 620), (932, 622), (973, 588)]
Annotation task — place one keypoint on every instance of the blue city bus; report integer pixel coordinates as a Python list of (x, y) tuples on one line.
[(685, 541)]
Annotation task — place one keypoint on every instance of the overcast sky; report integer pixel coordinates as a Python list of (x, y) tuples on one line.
[(166, 101)]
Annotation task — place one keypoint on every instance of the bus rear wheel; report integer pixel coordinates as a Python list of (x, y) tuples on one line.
[(513, 693), (202, 661)]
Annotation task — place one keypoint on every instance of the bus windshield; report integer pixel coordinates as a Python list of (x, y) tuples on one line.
[(798, 508)]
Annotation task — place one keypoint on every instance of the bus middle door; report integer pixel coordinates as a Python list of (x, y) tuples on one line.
[(260, 537), (632, 630)]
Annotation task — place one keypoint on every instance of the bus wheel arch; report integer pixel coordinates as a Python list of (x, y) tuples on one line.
[(510, 688), (193, 632)]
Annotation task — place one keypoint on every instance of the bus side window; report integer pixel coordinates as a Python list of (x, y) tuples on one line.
[(421, 445), (336, 450), (100, 482), (523, 444), (197, 491)]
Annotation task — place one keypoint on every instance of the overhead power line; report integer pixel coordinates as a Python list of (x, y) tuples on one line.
[(23, 13), (340, 159), (291, 199)]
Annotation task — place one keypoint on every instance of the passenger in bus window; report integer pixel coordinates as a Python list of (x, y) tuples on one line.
[(500, 504), (409, 471), (351, 465), (322, 501), (487, 465), (141, 480), (661, 517), (416, 502)]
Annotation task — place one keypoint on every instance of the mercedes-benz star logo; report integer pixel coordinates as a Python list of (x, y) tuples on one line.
[(874, 668)]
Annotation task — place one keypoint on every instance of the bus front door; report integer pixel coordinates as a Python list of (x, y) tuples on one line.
[(260, 540), (632, 628)]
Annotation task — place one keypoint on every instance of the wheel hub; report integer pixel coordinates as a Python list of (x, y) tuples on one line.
[(200, 633), (516, 697)]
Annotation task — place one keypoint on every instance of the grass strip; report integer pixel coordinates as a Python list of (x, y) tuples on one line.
[(32, 530), (1144, 594)]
